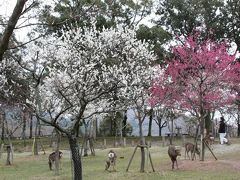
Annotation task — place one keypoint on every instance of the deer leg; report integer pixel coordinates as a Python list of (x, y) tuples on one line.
[(50, 164), (188, 154), (176, 164), (107, 165), (172, 164)]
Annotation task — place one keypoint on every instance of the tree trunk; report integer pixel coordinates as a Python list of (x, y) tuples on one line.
[(78, 128), (76, 158), (150, 123), (171, 134), (35, 144), (124, 130), (91, 145), (39, 128), (8, 162), (31, 127), (202, 136), (142, 142), (4, 41), (57, 152), (159, 129), (115, 129), (24, 128), (238, 118), (96, 127), (85, 148), (86, 138), (3, 125), (92, 136), (208, 122), (111, 126)]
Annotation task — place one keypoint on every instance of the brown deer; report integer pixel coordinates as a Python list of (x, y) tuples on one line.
[(111, 161), (209, 139), (52, 158), (190, 147), (173, 152)]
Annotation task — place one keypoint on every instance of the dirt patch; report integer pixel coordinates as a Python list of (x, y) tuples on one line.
[(210, 165)]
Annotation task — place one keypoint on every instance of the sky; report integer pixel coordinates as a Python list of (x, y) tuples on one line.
[(6, 9)]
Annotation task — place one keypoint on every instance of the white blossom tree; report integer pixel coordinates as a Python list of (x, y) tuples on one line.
[(135, 95), (84, 68)]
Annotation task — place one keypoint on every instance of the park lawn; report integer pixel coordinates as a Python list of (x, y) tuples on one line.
[(28, 167)]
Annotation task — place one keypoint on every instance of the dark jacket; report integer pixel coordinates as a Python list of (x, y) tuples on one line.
[(222, 127)]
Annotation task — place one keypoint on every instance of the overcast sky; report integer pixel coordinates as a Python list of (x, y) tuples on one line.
[(6, 9)]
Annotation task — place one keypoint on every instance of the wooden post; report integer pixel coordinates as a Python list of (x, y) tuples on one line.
[(132, 158), (151, 162), (210, 150)]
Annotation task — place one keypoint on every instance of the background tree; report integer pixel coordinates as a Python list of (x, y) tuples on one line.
[(105, 13), (106, 130), (194, 79), (160, 114), (157, 37), (217, 20), (183, 17)]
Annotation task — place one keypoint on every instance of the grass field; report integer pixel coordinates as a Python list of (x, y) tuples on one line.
[(29, 167)]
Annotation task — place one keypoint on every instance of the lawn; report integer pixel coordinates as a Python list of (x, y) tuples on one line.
[(28, 167)]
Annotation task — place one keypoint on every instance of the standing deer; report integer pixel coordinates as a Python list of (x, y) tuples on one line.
[(52, 158), (190, 147), (111, 161), (173, 152)]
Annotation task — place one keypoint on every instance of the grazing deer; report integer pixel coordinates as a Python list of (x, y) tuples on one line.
[(111, 161), (173, 152), (52, 158), (190, 147), (209, 139)]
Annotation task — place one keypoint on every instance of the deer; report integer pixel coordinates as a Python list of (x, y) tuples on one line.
[(52, 158), (190, 147), (111, 161), (173, 152)]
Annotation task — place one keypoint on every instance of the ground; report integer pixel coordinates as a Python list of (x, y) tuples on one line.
[(227, 167), (212, 164)]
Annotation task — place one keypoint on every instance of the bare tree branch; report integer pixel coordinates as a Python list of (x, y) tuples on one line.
[(10, 27)]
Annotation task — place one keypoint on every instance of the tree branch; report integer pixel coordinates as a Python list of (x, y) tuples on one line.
[(10, 27)]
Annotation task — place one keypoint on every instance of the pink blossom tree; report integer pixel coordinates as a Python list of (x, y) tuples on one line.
[(234, 79), (194, 80)]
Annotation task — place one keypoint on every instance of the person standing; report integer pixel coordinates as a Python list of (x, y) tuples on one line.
[(222, 131)]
